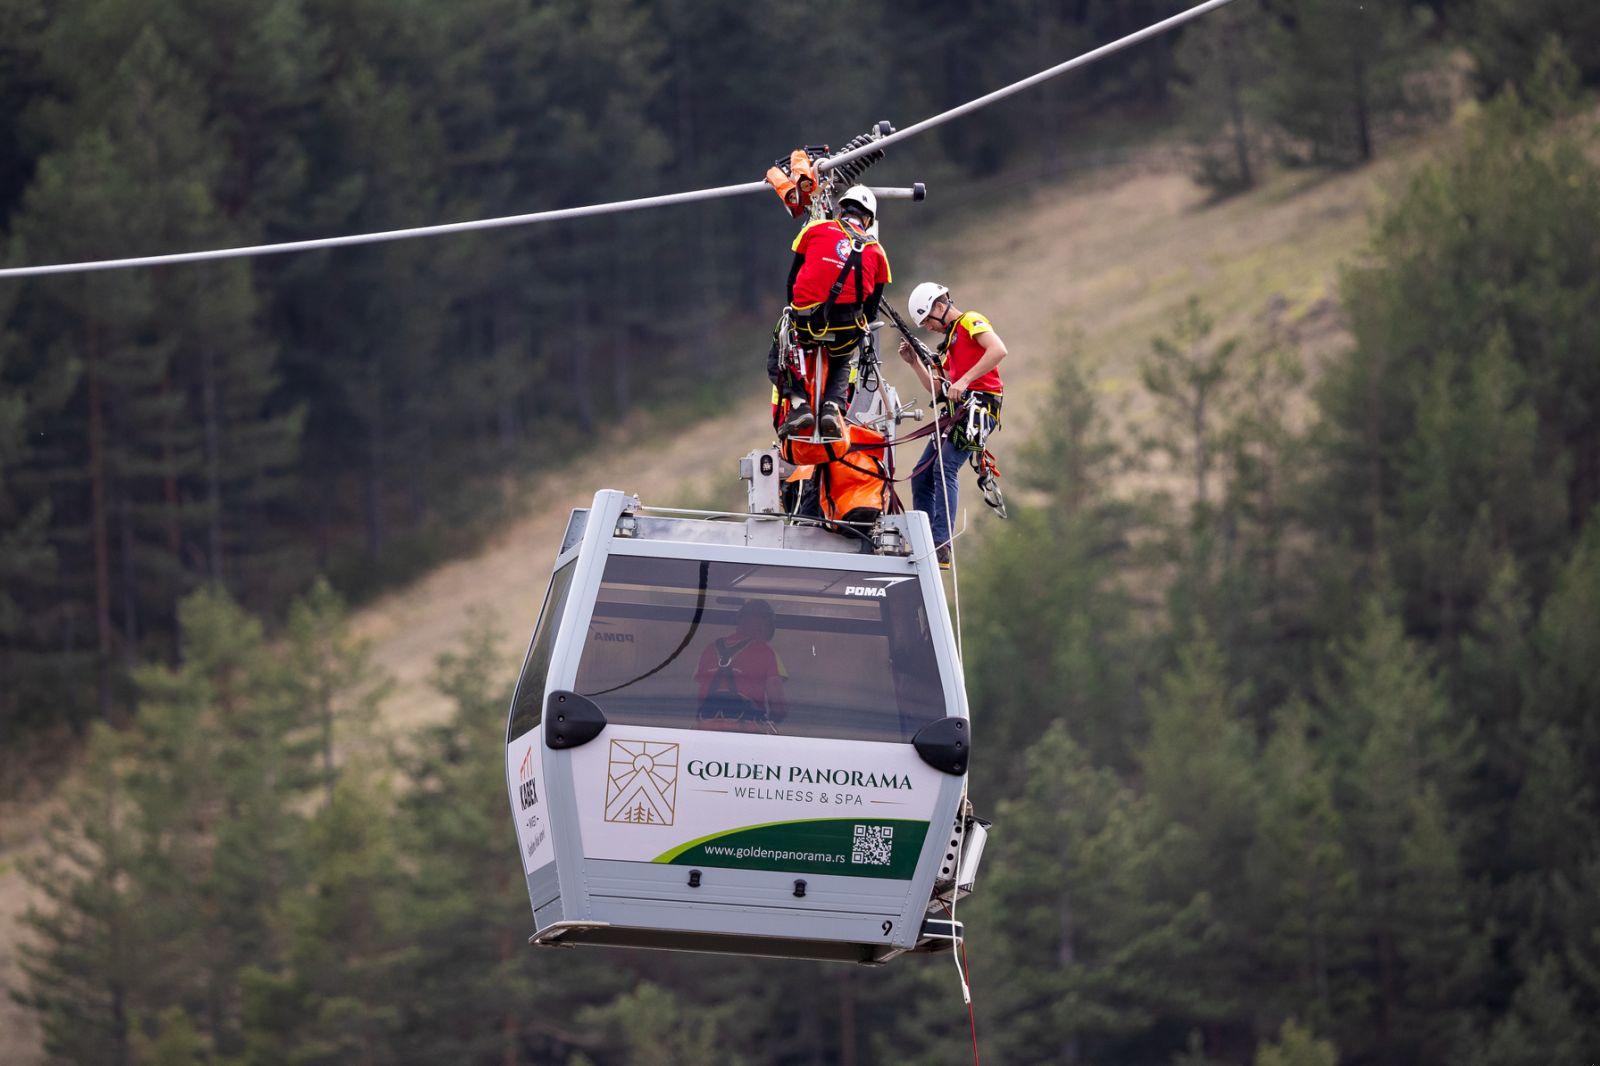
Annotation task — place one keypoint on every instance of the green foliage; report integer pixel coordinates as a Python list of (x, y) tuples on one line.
[(1335, 74), (1095, 941), (1054, 631), (1297, 1047), (1461, 430), (1542, 1025), (174, 1042), (1193, 383), (1221, 439), (88, 961), (1220, 58), (175, 878), (1509, 39), (1302, 882), (650, 1026), (1198, 765)]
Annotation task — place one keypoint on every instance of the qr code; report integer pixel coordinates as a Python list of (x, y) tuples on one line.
[(872, 845)]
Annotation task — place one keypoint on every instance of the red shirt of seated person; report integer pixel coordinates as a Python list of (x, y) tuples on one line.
[(740, 676)]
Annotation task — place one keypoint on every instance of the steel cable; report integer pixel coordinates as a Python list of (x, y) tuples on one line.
[(841, 160)]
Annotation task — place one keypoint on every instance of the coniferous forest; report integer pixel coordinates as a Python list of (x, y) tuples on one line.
[(1290, 735)]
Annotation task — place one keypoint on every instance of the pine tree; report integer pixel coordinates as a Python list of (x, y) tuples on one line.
[(1488, 689), (1506, 38), (1303, 885), (1336, 76), (220, 789), (1551, 821), (1221, 433), (1219, 59), (1473, 488), (169, 436), (334, 999), (86, 968), (1543, 1024), (1297, 1047), (27, 559), (1193, 382), (1400, 757), (333, 684), (467, 980), (1096, 946), (1471, 323), (163, 906), (1066, 648), (1201, 784), (649, 1025)]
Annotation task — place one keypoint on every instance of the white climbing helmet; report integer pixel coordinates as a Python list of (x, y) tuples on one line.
[(923, 297), (860, 194)]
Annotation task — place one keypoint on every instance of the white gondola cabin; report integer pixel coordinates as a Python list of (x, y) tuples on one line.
[(742, 734)]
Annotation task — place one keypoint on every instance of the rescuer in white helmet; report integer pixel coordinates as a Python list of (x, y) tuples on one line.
[(835, 285), (969, 358)]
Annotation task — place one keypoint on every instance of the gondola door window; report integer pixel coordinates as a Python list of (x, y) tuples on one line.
[(795, 651), (528, 703)]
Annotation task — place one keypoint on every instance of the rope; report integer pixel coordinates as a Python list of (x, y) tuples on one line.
[(938, 442), (618, 206), (958, 951)]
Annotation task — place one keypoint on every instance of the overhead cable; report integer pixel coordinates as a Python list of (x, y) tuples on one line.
[(614, 207), (617, 206), (1026, 83)]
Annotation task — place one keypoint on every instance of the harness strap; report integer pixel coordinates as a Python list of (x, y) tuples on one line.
[(723, 681), (725, 657), (858, 244)]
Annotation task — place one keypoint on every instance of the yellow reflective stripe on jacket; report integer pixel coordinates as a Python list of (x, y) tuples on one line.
[(795, 247), (975, 323)]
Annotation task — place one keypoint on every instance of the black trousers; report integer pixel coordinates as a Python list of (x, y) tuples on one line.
[(836, 388)]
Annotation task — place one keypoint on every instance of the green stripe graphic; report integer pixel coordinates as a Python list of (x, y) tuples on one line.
[(849, 847)]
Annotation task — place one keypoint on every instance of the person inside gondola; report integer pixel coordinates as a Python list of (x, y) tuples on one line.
[(741, 677)]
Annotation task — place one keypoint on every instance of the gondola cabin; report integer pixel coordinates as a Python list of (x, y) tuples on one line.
[(742, 734)]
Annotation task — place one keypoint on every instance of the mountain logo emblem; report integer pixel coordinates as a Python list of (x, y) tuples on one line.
[(642, 782)]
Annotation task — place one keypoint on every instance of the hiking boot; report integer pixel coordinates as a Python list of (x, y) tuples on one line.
[(831, 424), (800, 420), (942, 552)]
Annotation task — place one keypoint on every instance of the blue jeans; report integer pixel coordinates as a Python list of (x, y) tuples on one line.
[(928, 492)]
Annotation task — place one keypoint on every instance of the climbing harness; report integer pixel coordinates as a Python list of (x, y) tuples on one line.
[(967, 424)]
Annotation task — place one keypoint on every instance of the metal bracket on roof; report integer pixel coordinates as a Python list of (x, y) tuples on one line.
[(886, 540)]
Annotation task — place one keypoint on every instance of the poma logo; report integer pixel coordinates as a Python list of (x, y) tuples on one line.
[(865, 590), (613, 638)]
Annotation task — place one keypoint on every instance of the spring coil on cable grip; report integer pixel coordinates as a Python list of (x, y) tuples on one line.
[(846, 173)]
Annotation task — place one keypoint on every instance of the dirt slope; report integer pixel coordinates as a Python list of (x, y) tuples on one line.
[(1108, 257)]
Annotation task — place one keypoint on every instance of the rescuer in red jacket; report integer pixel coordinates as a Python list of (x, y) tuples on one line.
[(835, 286)]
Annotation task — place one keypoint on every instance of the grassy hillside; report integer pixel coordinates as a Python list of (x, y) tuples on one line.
[(1091, 268)]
